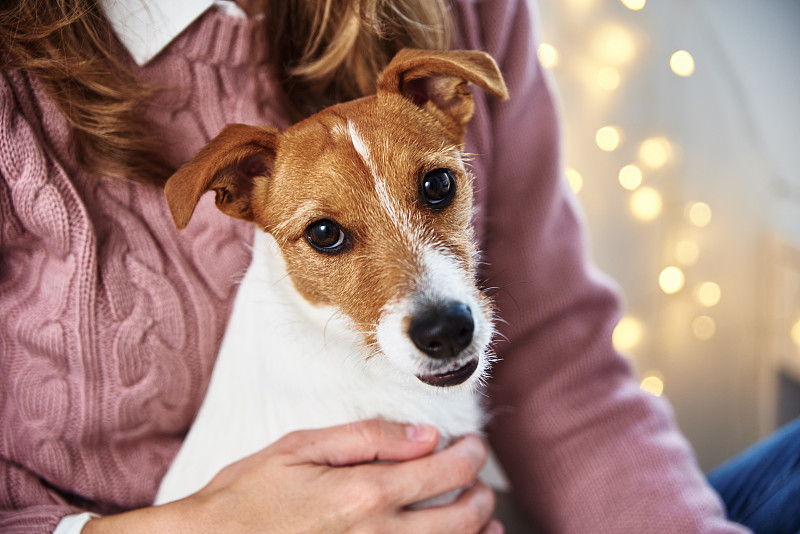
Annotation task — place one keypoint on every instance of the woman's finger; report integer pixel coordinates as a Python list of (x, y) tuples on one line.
[(469, 514), (494, 527), (446, 470), (360, 442)]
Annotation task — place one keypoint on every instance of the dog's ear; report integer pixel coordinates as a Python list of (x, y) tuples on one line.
[(441, 77), (227, 164)]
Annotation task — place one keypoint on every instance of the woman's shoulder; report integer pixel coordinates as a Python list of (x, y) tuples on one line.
[(34, 191)]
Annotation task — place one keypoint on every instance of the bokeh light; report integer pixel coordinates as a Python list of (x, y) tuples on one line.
[(630, 177), (548, 55), (682, 63), (646, 204), (704, 327), (687, 252), (608, 138), (574, 179), (655, 152), (671, 280), (614, 44), (635, 5), (627, 334), (700, 214), (796, 333), (581, 5), (708, 294), (653, 385), (608, 78)]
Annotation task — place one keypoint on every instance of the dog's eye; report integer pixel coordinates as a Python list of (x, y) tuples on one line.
[(326, 236), (437, 188)]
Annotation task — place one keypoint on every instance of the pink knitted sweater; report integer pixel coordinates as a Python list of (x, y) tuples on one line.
[(110, 319)]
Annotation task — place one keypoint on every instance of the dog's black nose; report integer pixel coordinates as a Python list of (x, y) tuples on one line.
[(443, 331)]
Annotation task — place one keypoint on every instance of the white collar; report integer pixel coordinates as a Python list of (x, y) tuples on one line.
[(146, 27)]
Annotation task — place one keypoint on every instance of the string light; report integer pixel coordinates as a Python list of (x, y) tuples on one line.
[(608, 78), (795, 333), (708, 294), (704, 327), (646, 204), (630, 177), (574, 179), (687, 252), (671, 280), (608, 138), (635, 5), (655, 152), (700, 214), (612, 47), (613, 44), (582, 5), (627, 334), (682, 63), (548, 55), (653, 385)]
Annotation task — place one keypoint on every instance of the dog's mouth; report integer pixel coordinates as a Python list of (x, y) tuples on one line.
[(451, 378)]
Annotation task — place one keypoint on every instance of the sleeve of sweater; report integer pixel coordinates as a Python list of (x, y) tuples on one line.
[(28, 502), (584, 448)]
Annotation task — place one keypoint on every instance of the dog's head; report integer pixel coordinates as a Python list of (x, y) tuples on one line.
[(370, 202)]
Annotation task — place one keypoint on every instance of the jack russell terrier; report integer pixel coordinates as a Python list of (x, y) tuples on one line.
[(361, 300)]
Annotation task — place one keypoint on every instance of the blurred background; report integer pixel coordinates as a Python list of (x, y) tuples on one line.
[(681, 140)]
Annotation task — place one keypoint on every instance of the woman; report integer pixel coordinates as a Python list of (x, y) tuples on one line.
[(111, 320)]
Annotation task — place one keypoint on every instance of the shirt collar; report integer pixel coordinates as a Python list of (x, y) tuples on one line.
[(146, 27)]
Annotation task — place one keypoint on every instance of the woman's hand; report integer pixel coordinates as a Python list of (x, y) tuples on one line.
[(320, 481)]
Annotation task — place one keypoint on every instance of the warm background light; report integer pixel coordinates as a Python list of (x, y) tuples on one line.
[(796, 333), (700, 214), (704, 327), (687, 252), (682, 63), (655, 152), (627, 334), (635, 5), (574, 179), (698, 177), (708, 294), (646, 203), (608, 78), (653, 385), (671, 280), (581, 5), (613, 44), (548, 55), (630, 177), (607, 138)]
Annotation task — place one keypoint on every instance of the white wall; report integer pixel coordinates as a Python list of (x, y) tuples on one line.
[(734, 130)]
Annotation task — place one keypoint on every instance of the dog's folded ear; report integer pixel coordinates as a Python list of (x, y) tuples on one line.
[(228, 164), (441, 77)]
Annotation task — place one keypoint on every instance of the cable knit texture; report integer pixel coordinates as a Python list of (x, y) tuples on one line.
[(110, 319)]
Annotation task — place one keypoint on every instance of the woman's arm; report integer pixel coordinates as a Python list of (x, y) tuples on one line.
[(584, 448)]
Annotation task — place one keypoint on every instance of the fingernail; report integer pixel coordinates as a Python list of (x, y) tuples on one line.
[(420, 433)]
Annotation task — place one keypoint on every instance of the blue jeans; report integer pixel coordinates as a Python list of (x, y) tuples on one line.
[(761, 486)]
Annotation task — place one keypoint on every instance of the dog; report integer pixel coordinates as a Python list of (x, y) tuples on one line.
[(361, 300)]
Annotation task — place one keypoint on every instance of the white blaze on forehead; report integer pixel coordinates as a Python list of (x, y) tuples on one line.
[(387, 201), (359, 145)]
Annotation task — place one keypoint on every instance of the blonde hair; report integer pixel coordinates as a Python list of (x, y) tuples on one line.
[(69, 46)]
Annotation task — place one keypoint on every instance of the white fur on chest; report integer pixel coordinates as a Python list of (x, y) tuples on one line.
[(285, 365)]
